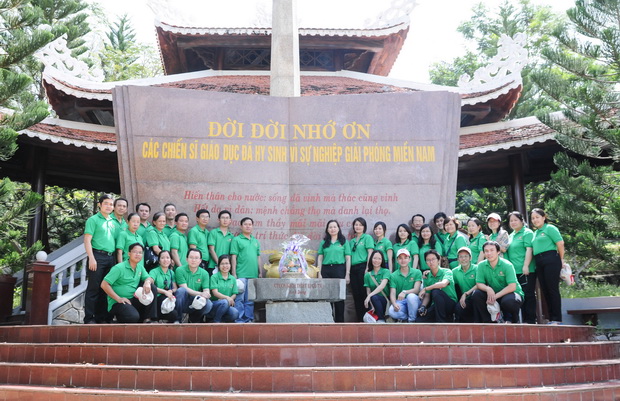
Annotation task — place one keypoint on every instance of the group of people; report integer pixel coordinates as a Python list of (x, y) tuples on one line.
[(438, 273), (143, 271)]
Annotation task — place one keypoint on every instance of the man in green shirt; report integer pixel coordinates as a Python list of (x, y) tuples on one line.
[(144, 211), (497, 282), (100, 243), (417, 221), (404, 288), (178, 240), (465, 280), (121, 283), (198, 237), (170, 210), (120, 209), (193, 282), (438, 292), (219, 240), (245, 260)]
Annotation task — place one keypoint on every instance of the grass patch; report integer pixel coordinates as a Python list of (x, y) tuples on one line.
[(589, 289)]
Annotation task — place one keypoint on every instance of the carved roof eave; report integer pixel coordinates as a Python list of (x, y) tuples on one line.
[(51, 123), (82, 88)]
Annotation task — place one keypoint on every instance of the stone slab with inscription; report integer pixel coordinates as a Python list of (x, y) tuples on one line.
[(297, 289), (298, 312)]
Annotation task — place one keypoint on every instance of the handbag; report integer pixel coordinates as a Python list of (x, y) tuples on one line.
[(370, 316), (150, 258)]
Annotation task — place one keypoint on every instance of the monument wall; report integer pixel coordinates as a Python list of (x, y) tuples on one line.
[(291, 164)]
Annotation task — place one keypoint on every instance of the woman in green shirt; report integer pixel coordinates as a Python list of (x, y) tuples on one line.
[(520, 255), (548, 250), (128, 237), (361, 246), (156, 239), (404, 240), (334, 260), (498, 234), (476, 239), (427, 242), (375, 282), (166, 284), (454, 241), (383, 244)]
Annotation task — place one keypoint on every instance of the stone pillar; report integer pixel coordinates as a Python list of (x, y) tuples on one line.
[(517, 185), (39, 277), (285, 81)]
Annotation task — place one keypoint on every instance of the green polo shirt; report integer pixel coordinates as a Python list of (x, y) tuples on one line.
[(453, 243), (383, 274), (359, 248), (425, 248), (499, 277), (410, 245), (198, 281), (169, 230), (220, 242), (226, 286), (335, 253), (247, 251), (464, 281), (124, 280), (441, 239), (545, 239), (157, 238), (143, 229), (178, 241), (163, 280), (198, 237), (475, 245), (519, 242), (126, 238), (442, 274), (104, 232), (401, 282), (121, 224), (383, 246)]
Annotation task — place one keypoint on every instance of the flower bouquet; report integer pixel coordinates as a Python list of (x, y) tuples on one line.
[(293, 261)]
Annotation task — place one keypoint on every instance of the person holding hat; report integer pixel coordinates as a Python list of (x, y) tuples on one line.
[(497, 282), (465, 283), (438, 292), (193, 295), (404, 289), (223, 293), (165, 281), (498, 234), (123, 281)]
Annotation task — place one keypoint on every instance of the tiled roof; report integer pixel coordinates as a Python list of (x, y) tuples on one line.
[(90, 136)]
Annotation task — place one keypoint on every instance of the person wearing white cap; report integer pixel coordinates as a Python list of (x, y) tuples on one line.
[(498, 234), (404, 289), (465, 280), (130, 289), (193, 293)]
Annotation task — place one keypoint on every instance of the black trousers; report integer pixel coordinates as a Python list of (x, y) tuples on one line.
[(464, 315), (509, 304), (441, 309), (358, 290), (170, 317), (136, 312), (95, 299), (548, 266), (528, 309), (335, 271)]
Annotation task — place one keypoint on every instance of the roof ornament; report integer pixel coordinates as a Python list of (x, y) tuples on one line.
[(503, 68), (398, 13), (57, 55)]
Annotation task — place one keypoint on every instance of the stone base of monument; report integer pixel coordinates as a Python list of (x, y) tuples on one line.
[(297, 300)]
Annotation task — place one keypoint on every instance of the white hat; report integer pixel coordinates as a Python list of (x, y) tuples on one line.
[(494, 216), (145, 299), (402, 251), (495, 311), (464, 249), (199, 302), (168, 305), (240, 286)]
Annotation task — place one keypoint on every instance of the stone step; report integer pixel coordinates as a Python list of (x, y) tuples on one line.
[(297, 333), (308, 355), (606, 391), (303, 379)]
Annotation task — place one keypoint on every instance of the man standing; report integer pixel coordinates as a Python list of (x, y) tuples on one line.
[(99, 242), (497, 282), (170, 211), (120, 208), (193, 282), (220, 239), (198, 235), (245, 259), (178, 239), (144, 211), (404, 288), (438, 292), (417, 221)]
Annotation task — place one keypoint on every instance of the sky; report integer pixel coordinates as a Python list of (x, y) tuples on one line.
[(432, 36)]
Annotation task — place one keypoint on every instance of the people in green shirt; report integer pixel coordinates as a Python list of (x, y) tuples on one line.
[(165, 281), (121, 283), (178, 239), (128, 237), (334, 260), (521, 256), (361, 246), (193, 282), (465, 283), (496, 281), (439, 221), (476, 239), (156, 239), (144, 211), (376, 283), (383, 244), (454, 241), (170, 210), (219, 240), (245, 261), (223, 293), (120, 208), (498, 234), (438, 295), (417, 221), (404, 289), (198, 237), (427, 242), (404, 239)]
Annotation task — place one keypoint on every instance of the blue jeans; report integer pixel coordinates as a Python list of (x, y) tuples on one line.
[(222, 311), (243, 305), (408, 308), (184, 300)]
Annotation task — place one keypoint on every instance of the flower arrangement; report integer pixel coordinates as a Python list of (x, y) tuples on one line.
[(293, 261)]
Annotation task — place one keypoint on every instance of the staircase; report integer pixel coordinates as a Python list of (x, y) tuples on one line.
[(307, 362)]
